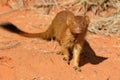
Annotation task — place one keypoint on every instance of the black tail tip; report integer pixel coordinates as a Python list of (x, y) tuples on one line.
[(10, 27)]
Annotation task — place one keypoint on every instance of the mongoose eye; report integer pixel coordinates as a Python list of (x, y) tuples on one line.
[(81, 25)]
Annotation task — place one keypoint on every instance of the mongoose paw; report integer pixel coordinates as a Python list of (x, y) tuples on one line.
[(59, 53), (77, 68), (67, 60)]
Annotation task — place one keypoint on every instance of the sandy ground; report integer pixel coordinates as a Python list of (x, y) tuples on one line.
[(24, 58)]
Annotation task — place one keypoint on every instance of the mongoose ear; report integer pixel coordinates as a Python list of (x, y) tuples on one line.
[(87, 19), (70, 20)]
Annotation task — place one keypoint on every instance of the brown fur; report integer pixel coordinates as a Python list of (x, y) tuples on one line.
[(69, 31)]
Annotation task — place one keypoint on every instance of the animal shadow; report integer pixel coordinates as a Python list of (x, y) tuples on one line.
[(89, 56)]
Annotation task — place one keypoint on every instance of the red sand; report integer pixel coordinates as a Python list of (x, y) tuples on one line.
[(25, 58)]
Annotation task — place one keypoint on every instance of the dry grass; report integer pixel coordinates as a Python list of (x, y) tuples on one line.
[(8, 44), (109, 26), (104, 25)]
